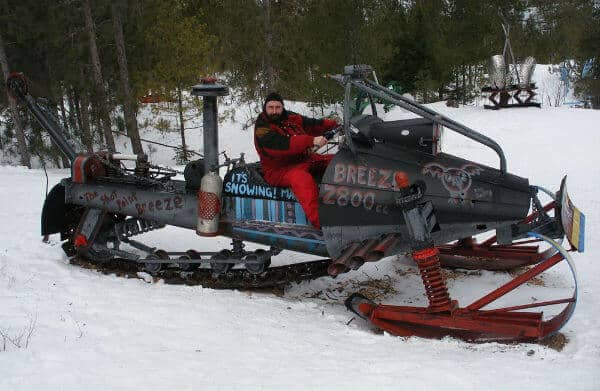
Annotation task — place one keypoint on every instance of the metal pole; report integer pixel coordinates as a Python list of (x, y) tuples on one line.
[(16, 85), (54, 130), (211, 134), (209, 90)]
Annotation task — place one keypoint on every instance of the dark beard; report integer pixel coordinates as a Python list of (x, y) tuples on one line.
[(274, 117)]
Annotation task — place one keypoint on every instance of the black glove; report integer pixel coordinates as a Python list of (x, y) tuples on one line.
[(330, 133)]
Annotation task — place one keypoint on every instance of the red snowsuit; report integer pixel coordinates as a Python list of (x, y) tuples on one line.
[(283, 147)]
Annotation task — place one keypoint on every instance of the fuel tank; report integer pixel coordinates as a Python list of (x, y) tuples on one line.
[(359, 195)]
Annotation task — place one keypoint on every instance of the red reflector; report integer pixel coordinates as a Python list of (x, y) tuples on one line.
[(80, 241), (401, 180)]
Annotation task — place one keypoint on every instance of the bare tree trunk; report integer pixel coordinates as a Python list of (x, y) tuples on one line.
[(98, 80), (21, 142), (181, 124), (128, 103), (458, 97), (268, 64), (97, 126), (72, 110), (55, 107), (83, 115), (470, 75), (61, 102), (77, 108), (464, 84)]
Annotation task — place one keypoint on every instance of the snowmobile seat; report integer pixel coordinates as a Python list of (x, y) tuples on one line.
[(417, 133), (411, 133)]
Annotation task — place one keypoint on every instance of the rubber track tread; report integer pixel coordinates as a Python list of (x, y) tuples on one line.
[(274, 277)]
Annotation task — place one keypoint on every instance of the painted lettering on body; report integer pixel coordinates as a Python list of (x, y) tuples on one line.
[(90, 195), (357, 198), (169, 203), (126, 200), (107, 198), (379, 178), (346, 178), (239, 185)]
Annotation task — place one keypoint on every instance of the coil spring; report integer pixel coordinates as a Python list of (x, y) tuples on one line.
[(142, 168), (428, 262), (132, 227)]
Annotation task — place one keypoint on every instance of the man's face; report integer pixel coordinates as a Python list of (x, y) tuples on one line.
[(274, 109)]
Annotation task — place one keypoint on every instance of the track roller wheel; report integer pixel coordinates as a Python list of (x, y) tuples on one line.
[(152, 267), (189, 267), (259, 262), (220, 267)]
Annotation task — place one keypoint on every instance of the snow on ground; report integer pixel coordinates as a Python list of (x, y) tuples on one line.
[(74, 329)]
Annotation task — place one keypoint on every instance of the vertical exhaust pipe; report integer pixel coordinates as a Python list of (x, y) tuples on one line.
[(209, 89), (209, 195)]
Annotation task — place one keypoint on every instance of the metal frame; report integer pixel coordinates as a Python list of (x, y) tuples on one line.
[(375, 89)]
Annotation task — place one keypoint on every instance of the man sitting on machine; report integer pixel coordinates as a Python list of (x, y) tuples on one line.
[(283, 140)]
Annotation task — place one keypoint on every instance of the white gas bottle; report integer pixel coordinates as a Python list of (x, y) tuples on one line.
[(209, 204)]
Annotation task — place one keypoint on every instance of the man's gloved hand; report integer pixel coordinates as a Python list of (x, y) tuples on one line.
[(319, 141), (331, 133)]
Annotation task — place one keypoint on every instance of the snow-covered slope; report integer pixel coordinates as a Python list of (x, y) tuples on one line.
[(78, 329)]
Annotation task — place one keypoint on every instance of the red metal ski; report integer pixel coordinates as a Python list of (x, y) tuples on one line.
[(444, 317)]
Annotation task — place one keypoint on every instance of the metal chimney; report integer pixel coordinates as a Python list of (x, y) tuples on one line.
[(209, 89)]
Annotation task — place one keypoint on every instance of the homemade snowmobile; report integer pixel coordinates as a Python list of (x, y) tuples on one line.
[(389, 190)]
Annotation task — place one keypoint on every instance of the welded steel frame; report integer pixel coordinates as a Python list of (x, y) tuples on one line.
[(375, 89)]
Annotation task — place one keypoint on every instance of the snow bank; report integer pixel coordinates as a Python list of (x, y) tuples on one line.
[(84, 330)]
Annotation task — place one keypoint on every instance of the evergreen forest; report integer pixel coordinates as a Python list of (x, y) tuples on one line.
[(95, 61)]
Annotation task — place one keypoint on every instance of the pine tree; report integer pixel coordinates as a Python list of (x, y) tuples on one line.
[(21, 143), (129, 106), (179, 48), (90, 26)]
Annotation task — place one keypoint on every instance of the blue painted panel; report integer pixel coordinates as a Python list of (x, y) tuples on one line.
[(259, 206), (272, 214), (247, 214), (267, 210), (238, 208), (281, 215), (289, 242), (300, 216)]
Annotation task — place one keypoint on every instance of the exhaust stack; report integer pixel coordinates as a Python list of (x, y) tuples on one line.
[(209, 194), (209, 89)]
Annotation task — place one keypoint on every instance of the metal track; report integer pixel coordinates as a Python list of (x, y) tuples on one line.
[(170, 270), (274, 277)]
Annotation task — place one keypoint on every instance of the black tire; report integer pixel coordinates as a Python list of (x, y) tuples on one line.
[(257, 268), (220, 267), (189, 267), (154, 268)]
